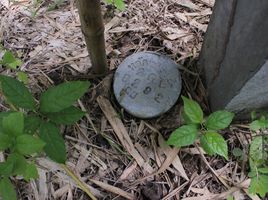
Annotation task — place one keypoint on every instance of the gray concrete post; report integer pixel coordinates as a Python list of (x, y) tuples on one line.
[(234, 55)]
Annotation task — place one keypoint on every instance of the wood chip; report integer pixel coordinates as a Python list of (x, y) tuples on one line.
[(128, 171), (113, 189), (176, 162), (121, 132)]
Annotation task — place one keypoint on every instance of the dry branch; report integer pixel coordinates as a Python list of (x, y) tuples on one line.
[(93, 30)]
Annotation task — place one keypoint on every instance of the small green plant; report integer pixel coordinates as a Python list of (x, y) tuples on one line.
[(258, 158), (54, 5), (11, 62), (205, 129), (29, 128), (35, 5), (119, 4)]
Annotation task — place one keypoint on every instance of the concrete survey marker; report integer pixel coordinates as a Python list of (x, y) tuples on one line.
[(147, 84)]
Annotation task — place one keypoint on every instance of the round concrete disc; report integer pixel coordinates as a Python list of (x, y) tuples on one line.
[(147, 84)]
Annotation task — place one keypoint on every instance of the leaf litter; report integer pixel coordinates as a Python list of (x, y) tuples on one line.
[(115, 155)]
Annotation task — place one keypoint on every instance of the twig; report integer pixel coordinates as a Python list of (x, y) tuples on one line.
[(211, 169), (78, 182)]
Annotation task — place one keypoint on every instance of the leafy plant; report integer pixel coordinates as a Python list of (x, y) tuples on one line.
[(258, 156), (55, 4), (30, 128), (11, 62), (205, 129), (119, 4)]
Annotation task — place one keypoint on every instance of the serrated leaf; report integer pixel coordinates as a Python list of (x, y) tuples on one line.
[(55, 146), (16, 93), (19, 163), (54, 5), (256, 151), (66, 116), (258, 185), (23, 77), (214, 143), (31, 124), (263, 170), (183, 136), (13, 124), (258, 124), (7, 190), (5, 141), (253, 185), (252, 174), (120, 5), (62, 96), (28, 145), (30, 172), (186, 119), (237, 152), (2, 116), (230, 198), (6, 168), (192, 110), (10, 61), (219, 120)]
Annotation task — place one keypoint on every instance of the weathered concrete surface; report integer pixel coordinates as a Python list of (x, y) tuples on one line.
[(258, 95), (234, 53)]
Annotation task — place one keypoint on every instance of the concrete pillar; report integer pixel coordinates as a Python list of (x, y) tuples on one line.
[(234, 55)]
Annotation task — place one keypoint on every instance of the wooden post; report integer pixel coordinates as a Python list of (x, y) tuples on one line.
[(234, 55), (93, 30)]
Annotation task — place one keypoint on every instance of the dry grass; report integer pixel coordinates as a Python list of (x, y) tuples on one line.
[(115, 155)]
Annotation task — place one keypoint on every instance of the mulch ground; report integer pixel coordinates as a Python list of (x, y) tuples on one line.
[(116, 155)]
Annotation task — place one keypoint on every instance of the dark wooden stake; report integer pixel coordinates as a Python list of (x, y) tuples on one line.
[(93, 30)]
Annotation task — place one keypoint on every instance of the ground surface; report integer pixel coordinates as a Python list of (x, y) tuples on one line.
[(113, 165)]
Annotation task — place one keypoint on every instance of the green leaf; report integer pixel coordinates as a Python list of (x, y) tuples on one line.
[(16, 93), (27, 144), (55, 147), (10, 61), (183, 136), (62, 96), (30, 172), (192, 110), (252, 174), (253, 185), (31, 124), (54, 5), (186, 119), (214, 143), (2, 116), (13, 124), (5, 141), (258, 124), (120, 5), (256, 151), (258, 185), (263, 170), (253, 115), (19, 163), (7, 190), (22, 76), (230, 198), (237, 152), (6, 168), (219, 120), (66, 116)]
